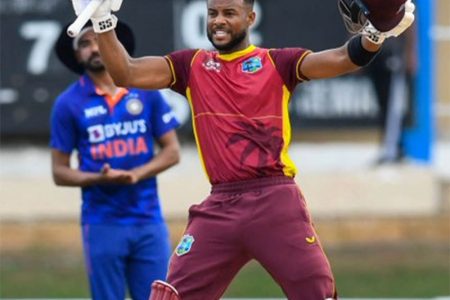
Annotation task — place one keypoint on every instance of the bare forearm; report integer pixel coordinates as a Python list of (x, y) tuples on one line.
[(115, 57), (149, 72), (65, 176), (328, 63), (333, 62), (166, 158)]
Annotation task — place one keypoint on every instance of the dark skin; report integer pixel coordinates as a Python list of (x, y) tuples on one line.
[(226, 18), (228, 25), (63, 175)]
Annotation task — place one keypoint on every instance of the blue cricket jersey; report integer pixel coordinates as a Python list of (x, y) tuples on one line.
[(119, 131)]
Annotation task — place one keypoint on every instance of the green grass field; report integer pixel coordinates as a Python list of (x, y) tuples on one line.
[(360, 271)]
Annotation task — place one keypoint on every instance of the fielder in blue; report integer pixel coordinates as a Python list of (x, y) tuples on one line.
[(114, 130)]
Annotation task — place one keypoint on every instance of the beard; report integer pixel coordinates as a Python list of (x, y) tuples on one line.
[(93, 64), (236, 39)]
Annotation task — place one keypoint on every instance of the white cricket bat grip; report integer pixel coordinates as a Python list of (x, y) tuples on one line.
[(74, 29)]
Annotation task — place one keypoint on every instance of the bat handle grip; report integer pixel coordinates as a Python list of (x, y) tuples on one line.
[(74, 29)]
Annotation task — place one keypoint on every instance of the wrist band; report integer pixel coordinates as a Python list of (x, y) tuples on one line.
[(358, 55)]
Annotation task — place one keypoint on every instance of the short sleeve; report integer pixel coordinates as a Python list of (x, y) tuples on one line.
[(63, 133), (163, 118), (287, 62), (180, 65)]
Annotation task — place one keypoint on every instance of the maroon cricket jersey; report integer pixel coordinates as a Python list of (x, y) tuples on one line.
[(239, 106)]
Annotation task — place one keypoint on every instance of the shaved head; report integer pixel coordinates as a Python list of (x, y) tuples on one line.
[(228, 23), (249, 2)]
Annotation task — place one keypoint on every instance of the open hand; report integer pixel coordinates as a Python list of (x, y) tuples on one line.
[(117, 176)]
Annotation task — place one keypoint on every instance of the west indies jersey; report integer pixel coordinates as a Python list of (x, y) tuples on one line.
[(119, 131), (239, 105)]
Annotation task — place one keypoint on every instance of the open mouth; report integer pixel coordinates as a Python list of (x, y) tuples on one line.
[(220, 34)]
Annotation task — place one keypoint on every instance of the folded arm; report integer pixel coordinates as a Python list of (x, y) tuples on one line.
[(64, 175)]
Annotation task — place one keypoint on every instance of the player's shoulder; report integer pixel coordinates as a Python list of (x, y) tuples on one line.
[(182, 58), (70, 96), (141, 93), (146, 96), (287, 49), (184, 53), (288, 53), (71, 91)]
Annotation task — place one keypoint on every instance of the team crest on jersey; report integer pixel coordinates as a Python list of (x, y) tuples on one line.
[(135, 106), (185, 245), (212, 65), (252, 65)]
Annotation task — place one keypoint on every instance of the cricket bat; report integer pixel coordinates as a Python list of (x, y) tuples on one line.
[(74, 29)]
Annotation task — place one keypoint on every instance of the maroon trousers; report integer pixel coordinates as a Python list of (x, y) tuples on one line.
[(263, 219)]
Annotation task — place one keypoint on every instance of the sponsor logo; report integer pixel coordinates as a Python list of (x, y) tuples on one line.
[(134, 106), (95, 111), (212, 65), (119, 148), (96, 134), (185, 245), (252, 65), (99, 133)]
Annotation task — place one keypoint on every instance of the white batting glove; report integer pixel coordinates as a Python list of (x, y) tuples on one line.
[(373, 34), (378, 37), (102, 19)]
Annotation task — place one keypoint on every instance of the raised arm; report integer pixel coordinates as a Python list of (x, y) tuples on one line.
[(150, 72), (362, 48), (335, 62)]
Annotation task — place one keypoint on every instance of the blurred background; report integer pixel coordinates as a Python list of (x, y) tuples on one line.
[(372, 148)]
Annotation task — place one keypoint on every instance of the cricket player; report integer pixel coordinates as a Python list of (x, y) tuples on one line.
[(239, 96), (114, 130)]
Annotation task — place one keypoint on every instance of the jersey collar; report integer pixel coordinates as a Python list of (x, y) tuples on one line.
[(87, 85), (237, 54), (90, 89), (112, 100)]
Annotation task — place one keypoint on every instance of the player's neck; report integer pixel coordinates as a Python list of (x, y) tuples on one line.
[(104, 82), (242, 46)]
